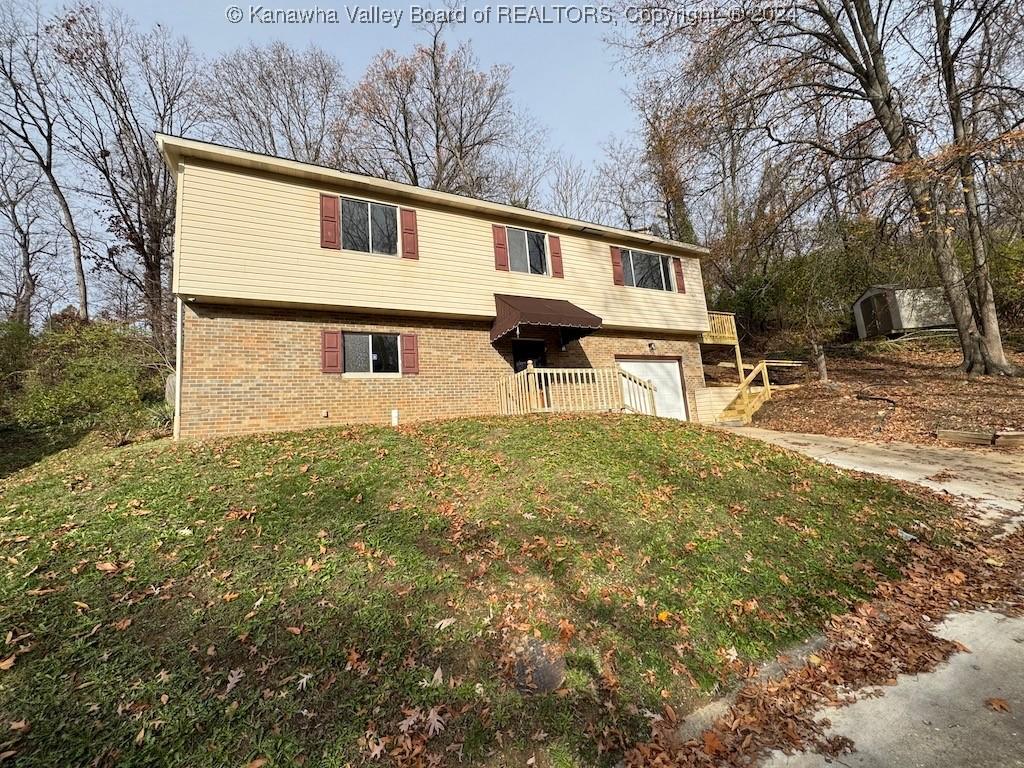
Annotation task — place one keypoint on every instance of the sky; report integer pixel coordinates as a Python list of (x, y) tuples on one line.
[(564, 73)]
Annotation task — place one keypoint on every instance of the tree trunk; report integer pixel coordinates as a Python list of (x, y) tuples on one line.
[(153, 290), (22, 310), (76, 244), (818, 355), (987, 345)]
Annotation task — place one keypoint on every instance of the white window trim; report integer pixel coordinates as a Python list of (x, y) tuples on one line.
[(670, 288), (547, 253), (371, 374), (369, 228)]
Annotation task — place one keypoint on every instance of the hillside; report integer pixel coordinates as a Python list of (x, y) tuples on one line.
[(349, 595)]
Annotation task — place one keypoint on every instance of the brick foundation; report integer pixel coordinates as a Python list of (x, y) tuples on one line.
[(255, 370)]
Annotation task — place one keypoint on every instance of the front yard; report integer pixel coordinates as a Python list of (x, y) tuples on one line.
[(350, 596)]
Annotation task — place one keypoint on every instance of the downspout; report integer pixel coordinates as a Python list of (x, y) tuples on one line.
[(179, 327), (179, 332)]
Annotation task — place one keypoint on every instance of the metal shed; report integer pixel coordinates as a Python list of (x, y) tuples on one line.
[(891, 309)]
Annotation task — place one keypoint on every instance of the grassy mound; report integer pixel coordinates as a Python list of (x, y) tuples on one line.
[(350, 595)]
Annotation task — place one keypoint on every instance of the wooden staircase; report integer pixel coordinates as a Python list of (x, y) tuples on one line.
[(749, 398)]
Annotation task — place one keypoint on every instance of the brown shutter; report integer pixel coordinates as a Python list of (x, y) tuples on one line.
[(410, 353), (331, 352), (330, 229), (617, 276), (677, 265), (500, 247), (410, 238), (556, 256)]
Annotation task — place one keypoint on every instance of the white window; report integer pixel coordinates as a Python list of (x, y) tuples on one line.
[(371, 353), (527, 251), (647, 270), (369, 227)]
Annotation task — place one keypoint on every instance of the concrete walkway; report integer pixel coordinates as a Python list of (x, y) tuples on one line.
[(989, 483), (939, 718)]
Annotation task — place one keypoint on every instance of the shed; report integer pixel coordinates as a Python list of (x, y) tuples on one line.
[(891, 309)]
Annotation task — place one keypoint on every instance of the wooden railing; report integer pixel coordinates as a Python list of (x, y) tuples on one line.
[(747, 400), (721, 329), (574, 390)]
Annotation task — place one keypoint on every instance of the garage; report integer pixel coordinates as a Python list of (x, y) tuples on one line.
[(669, 396)]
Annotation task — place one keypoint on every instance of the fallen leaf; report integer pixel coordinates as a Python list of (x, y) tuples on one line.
[(712, 744), (295, 630), (21, 726), (566, 630), (435, 722), (8, 662), (106, 567), (444, 623), (259, 762), (122, 625), (998, 705), (234, 678)]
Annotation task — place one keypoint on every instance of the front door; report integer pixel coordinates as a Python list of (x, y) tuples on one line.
[(525, 350)]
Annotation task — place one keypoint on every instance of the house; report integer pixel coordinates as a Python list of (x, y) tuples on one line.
[(309, 297), (893, 309)]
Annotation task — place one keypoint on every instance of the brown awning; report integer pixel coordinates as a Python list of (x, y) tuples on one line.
[(513, 312)]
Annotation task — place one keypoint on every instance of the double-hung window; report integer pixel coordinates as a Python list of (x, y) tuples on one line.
[(369, 227), (527, 251), (646, 270), (371, 353)]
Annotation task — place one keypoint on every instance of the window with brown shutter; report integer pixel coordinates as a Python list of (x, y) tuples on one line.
[(555, 246), (677, 265), (331, 352), (617, 276), (410, 238), (500, 247), (410, 353), (330, 229)]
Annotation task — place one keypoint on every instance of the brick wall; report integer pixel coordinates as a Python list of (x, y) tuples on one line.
[(255, 370)]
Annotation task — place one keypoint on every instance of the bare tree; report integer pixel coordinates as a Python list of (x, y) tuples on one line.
[(845, 66), (575, 191), (279, 101), (31, 112), (435, 119), (25, 239), (128, 84)]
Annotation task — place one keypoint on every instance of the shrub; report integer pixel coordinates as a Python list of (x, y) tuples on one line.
[(15, 352), (89, 375)]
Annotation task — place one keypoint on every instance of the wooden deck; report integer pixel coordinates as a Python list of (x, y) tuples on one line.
[(722, 329)]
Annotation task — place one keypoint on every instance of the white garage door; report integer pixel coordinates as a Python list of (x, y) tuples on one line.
[(664, 374)]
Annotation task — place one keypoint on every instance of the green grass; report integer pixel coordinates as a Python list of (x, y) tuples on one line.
[(671, 550)]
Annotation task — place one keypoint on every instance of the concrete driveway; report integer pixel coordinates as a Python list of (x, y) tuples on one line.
[(939, 718), (988, 483)]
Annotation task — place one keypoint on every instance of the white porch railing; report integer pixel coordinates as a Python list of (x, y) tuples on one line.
[(574, 390)]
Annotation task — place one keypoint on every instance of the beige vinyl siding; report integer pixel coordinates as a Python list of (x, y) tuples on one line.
[(249, 236)]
